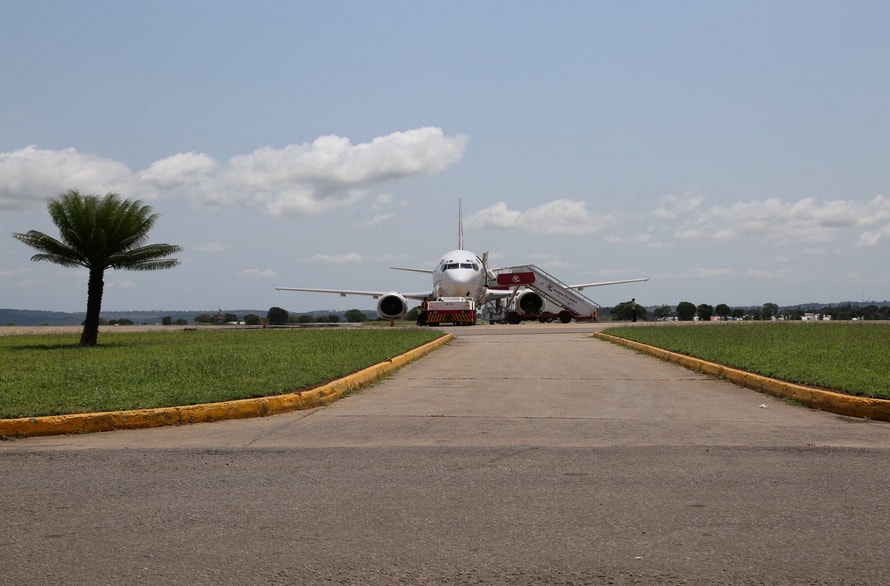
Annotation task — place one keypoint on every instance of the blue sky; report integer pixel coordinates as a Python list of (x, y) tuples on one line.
[(733, 152)]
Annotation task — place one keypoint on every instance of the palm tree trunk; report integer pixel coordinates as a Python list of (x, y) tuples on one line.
[(95, 287)]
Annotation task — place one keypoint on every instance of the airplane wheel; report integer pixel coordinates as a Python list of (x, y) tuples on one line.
[(513, 318), (565, 317)]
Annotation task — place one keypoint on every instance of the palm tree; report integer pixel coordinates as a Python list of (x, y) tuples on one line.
[(98, 233)]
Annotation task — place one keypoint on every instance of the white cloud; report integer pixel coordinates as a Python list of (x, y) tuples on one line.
[(350, 257), (177, 171), (646, 239), (873, 238), (763, 274), (30, 175), (710, 272), (698, 273), (301, 201), (302, 179), (677, 205), (547, 260), (331, 172), (558, 217), (496, 216), (803, 221), (377, 220), (353, 258)]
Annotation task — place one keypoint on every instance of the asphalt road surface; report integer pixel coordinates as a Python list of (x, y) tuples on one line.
[(529, 454)]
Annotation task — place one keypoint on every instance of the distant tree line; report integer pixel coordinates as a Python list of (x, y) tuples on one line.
[(688, 311), (276, 316), (849, 311), (624, 311)]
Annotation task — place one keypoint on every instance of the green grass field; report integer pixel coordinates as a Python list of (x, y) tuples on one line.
[(49, 374), (849, 357)]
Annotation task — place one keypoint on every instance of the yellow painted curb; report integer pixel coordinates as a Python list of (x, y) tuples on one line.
[(869, 408), (259, 407)]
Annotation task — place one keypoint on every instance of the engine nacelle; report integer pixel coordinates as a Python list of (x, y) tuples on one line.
[(392, 306), (529, 302)]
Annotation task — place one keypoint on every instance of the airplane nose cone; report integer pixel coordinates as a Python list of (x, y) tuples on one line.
[(458, 284), (463, 276)]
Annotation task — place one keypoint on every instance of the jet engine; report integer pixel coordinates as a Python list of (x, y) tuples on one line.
[(529, 302), (392, 306)]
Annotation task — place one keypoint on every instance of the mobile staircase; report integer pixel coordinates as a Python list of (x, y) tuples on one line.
[(532, 287)]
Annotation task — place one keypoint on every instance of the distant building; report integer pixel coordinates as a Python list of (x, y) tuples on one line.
[(815, 317)]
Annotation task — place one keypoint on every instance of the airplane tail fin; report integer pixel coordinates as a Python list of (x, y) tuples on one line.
[(460, 223)]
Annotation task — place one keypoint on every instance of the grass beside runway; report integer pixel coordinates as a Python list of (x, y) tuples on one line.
[(49, 374), (849, 357)]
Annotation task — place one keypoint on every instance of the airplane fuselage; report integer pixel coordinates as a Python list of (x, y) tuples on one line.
[(460, 273)]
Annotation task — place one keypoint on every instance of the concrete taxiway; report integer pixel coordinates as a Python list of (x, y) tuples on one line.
[(513, 454)]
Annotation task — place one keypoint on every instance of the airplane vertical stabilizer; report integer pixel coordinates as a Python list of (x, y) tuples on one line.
[(460, 223)]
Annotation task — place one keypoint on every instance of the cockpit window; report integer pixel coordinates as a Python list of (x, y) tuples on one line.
[(447, 266)]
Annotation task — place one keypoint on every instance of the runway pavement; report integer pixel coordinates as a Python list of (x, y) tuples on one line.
[(530, 454)]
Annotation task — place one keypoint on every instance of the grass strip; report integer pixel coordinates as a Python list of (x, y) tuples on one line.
[(848, 357), (49, 374)]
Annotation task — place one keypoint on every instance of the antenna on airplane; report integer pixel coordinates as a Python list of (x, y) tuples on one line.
[(460, 223)]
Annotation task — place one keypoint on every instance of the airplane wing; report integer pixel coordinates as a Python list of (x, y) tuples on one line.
[(426, 271), (345, 292), (583, 285)]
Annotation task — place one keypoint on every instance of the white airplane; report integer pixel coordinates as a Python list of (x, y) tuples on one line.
[(459, 273)]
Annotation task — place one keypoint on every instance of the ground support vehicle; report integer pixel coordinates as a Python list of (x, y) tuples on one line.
[(564, 316), (537, 295), (459, 311)]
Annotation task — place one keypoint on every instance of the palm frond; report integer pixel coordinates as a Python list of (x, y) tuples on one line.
[(51, 250), (146, 258)]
